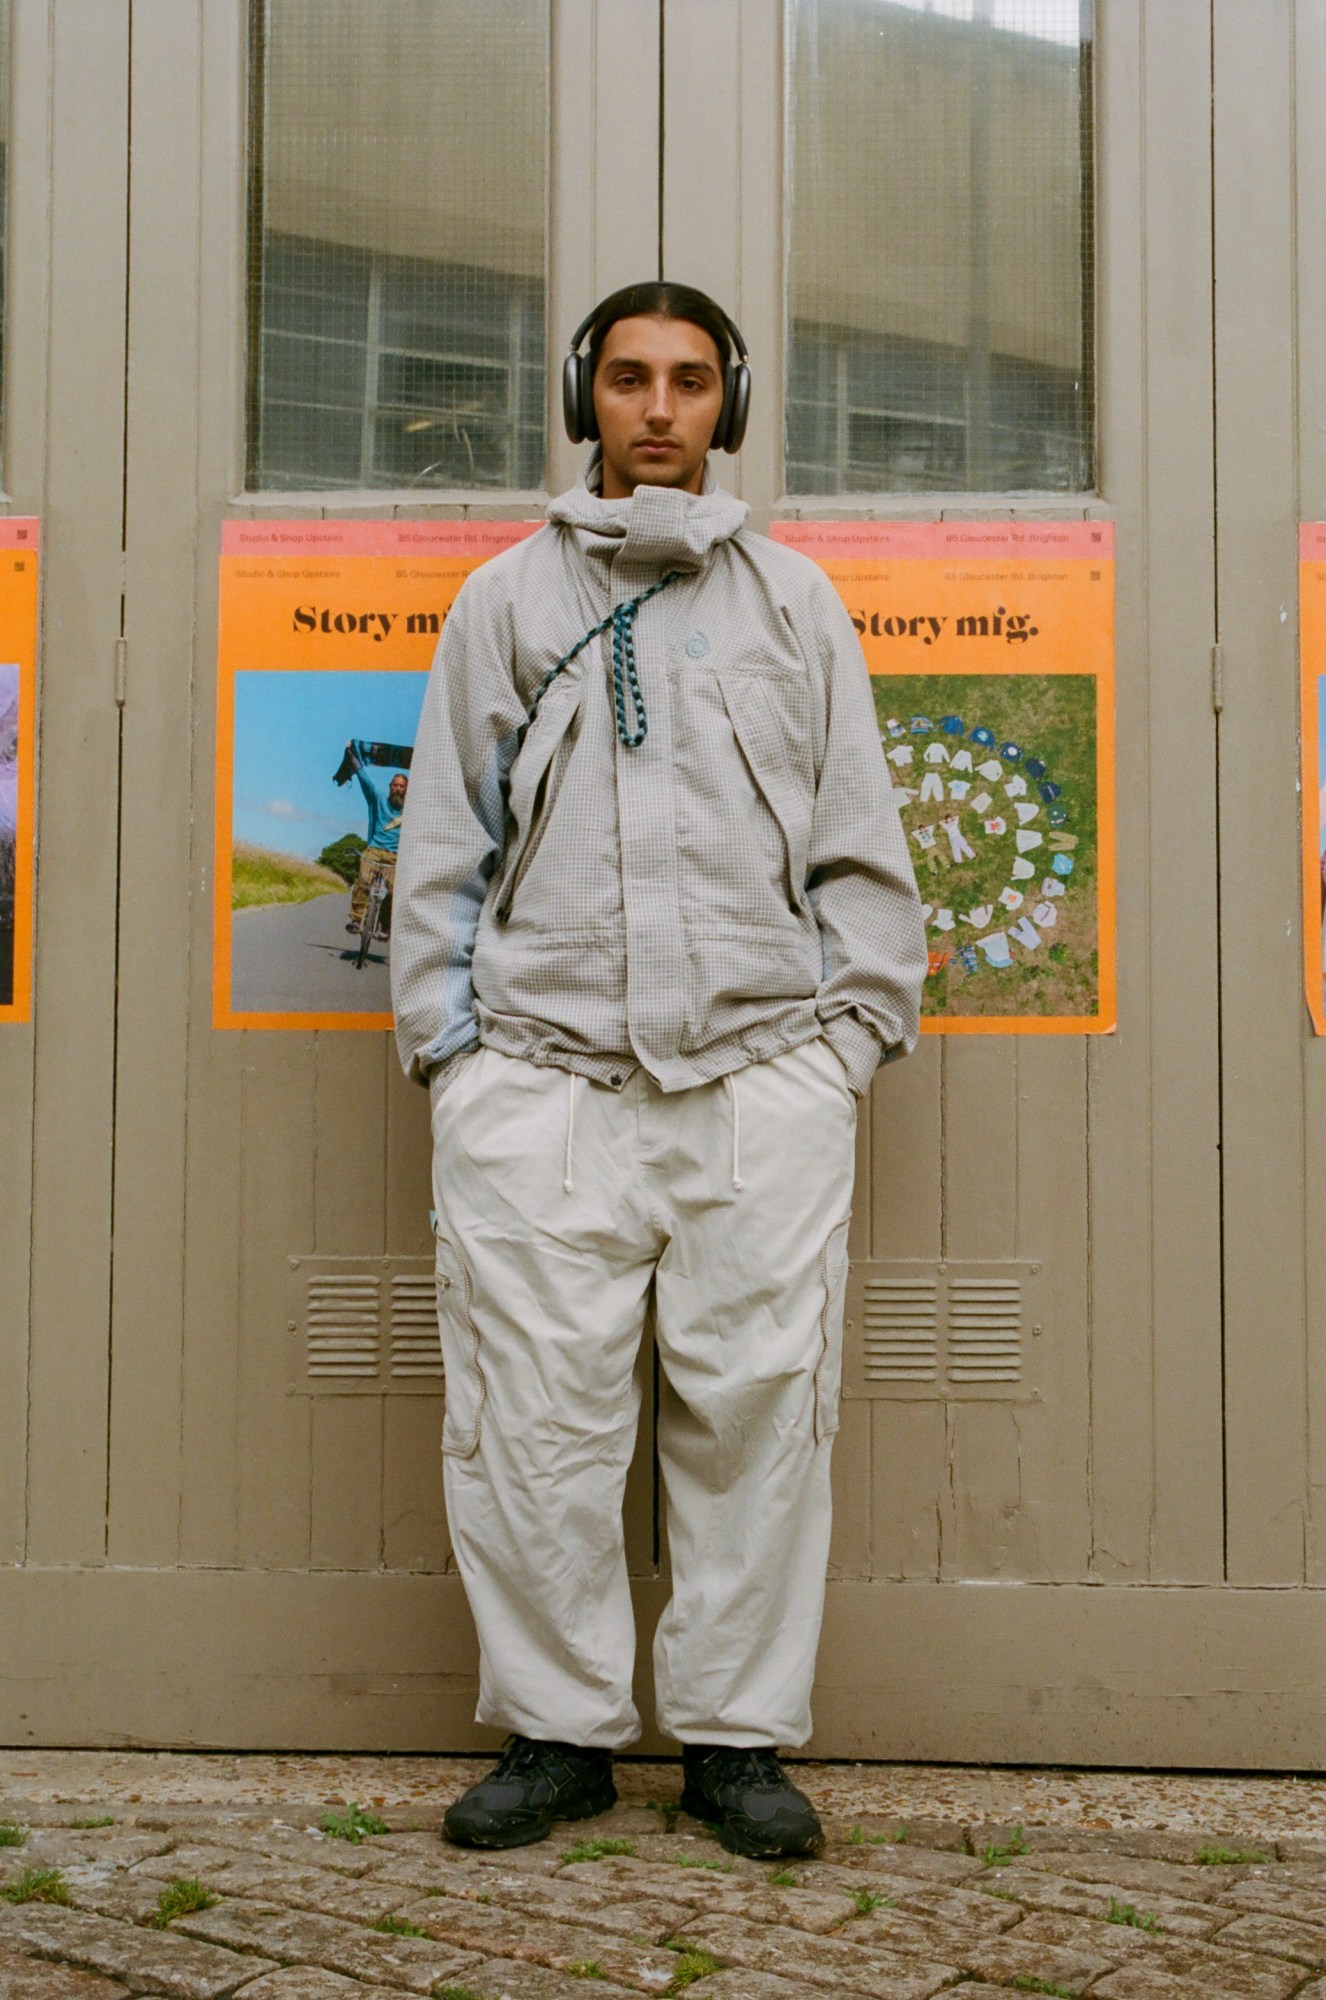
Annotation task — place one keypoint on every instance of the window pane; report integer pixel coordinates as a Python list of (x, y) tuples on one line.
[(397, 243), (940, 259)]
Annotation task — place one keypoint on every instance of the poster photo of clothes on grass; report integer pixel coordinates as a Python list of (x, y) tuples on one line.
[(18, 659), (991, 651), (327, 632), (1312, 736)]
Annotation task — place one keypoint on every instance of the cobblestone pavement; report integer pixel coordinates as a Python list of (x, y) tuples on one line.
[(132, 1875)]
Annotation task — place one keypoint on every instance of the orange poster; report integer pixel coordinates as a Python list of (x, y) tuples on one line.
[(19, 540), (1312, 736), (991, 649), (327, 632)]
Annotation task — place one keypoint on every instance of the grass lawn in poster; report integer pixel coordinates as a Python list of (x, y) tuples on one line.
[(990, 646), (327, 633), (18, 652)]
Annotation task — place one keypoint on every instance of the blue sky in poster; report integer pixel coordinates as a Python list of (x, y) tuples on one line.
[(291, 731)]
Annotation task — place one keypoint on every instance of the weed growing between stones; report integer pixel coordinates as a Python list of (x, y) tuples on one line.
[(37, 1885), (857, 1837), (1228, 1857), (1024, 1984), (894, 1839), (692, 1963), (999, 1857), (595, 1850), (397, 1927), (701, 1861), (867, 1900), (88, 1825), (352, 1824), (1138, 1920), (11, 1835), (784, 1879), (587, 1968), (181, 1899), (449, 1992)]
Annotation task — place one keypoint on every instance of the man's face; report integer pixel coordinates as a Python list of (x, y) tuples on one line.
[(396, 792), (658, 393)]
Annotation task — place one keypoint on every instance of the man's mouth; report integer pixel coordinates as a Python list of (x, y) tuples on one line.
[(658, 445)]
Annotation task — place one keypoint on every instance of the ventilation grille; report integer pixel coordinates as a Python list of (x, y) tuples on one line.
[(942, 1331), (416, 1354), (363, 1326)]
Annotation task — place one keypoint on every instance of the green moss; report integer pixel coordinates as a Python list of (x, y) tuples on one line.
[(596, 1850)]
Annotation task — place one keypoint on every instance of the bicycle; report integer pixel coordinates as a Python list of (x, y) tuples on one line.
[(371, 924)]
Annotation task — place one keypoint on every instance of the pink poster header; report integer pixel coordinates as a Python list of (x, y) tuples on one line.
[(1312, 541), (20, 531), (469, 540), (946, 541)]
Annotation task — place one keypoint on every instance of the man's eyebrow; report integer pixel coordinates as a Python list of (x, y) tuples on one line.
[(674, 368)]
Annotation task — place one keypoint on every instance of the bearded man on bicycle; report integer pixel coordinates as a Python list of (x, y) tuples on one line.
[(386, 806), (657, 929)]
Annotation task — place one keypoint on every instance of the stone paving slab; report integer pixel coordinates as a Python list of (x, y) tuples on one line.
[(302, 1937), (31, 1979), (147, 1961)]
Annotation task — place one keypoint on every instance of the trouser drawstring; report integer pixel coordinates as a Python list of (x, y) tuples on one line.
[(730, 1086), (568, 1185)]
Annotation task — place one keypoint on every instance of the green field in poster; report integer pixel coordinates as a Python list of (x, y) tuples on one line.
[(998, 777)]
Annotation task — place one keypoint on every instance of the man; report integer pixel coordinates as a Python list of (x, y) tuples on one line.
[(386, 805), (657, 929)]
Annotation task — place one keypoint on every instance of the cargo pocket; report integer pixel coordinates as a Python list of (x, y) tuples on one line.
[(829, 1373), (463, 1377), (761, 740)]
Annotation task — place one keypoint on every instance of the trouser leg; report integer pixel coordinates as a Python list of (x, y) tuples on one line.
[(749, 1303), (541, 1295)]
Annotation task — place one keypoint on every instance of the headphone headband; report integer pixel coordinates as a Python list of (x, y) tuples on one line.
[(578, 385)]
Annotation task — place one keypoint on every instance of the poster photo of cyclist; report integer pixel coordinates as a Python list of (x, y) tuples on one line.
[(320, 779), (326, 635)]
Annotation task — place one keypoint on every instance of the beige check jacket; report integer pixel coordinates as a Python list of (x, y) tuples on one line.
[(734, 886)]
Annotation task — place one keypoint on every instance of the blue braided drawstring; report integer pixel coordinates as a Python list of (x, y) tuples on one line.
[(624, 676)]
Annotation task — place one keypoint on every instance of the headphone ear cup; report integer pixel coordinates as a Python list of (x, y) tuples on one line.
[(571, 399), (589, 423), (736, 407)]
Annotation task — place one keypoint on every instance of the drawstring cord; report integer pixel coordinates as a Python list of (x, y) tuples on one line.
[(625, 679), (730, 1086), (568, 1185)]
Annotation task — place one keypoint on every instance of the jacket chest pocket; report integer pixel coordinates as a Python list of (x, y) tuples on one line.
[(763, 741), (536, 778)]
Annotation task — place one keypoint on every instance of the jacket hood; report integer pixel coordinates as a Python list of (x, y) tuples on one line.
[(657, 525)]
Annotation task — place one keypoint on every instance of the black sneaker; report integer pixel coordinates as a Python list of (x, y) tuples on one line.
[(531, 1785), (748, 1798)]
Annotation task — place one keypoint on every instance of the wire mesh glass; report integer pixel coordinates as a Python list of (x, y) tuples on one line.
[(940, 254), (397, 243)]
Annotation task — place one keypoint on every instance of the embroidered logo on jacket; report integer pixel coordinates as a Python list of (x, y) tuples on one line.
[(697, 646)]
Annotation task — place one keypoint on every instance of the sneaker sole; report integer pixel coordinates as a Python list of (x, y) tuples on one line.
[(524, 1837), (699, 1807)]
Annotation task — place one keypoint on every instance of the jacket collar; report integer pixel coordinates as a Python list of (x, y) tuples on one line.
[(657, 527)]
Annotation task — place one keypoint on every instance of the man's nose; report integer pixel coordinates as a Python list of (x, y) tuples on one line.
[(658, 408)]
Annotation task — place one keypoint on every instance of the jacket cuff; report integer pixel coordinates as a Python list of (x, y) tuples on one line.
[(857, 1049), (444, 1072)]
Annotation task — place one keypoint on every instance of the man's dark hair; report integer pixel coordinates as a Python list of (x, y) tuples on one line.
[(660, 301)]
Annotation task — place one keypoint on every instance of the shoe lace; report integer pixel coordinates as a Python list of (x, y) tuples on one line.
[(520, 1754), (751, 1766)]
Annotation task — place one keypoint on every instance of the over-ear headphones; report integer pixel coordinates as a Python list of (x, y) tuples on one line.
[(578, 384)]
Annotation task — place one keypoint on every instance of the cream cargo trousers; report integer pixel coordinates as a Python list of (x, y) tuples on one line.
[(561, 1204)]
